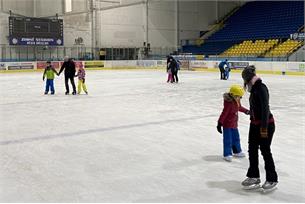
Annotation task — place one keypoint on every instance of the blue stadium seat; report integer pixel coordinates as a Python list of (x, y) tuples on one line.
[(255, 20)]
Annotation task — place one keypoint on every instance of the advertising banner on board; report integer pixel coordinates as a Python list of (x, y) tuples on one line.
[(20, 65)]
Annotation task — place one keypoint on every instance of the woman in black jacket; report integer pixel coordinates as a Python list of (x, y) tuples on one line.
[(261, 131)]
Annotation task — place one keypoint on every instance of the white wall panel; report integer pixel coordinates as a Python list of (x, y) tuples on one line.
[(121, 36), (4, 28), (79, 5), (23, 7), (162, 5), (206, 14), (48, 8), (123, 16), (164, 38), (77, 26), (162, 20), (121, 27)]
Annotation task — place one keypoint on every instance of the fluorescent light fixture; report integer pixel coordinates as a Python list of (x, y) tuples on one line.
[(68, 6)]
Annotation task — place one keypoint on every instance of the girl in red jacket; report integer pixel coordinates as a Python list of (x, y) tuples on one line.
[(228, 120)]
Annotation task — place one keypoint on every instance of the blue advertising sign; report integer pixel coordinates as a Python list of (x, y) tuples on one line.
[(35, 41)]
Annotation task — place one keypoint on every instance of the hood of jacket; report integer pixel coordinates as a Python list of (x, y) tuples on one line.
[(228, 97)]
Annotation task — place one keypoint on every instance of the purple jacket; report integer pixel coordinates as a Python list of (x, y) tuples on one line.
[(81, 73)]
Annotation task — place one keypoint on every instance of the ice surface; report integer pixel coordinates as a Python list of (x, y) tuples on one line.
[(135, 138)]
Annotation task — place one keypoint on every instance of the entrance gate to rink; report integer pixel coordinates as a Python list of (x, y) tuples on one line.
[(9, 53)]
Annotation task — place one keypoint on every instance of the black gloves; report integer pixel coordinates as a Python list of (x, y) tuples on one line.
[(219, 125)]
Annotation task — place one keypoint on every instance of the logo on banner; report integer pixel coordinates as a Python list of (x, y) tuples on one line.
[(2, 66)]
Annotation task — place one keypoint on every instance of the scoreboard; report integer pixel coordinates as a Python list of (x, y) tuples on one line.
[(35, 31)]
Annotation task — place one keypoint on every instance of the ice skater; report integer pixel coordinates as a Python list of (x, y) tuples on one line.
[(261, 132), (81, 73), (171, 67), (176, 69), (222, 70), (69, 67), (49, 72), (169, 73), (228, 120)]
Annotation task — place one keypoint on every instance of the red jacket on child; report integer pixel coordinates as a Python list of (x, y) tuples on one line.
[(229, 115)]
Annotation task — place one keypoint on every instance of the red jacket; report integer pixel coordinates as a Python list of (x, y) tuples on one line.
[(229, 115)]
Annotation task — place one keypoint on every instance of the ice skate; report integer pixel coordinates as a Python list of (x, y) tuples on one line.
[(239, 155), (228, 158), (251, 184), (269, 186)]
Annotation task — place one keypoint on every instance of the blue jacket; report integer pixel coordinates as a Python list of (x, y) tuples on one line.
[(222, 64)]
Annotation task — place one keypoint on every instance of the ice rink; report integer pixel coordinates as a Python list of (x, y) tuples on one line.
[(136, 138)]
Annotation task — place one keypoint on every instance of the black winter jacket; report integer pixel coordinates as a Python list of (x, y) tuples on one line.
[(173, 66), (69, 67), (259, 105)]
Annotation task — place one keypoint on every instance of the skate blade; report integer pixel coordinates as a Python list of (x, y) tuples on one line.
[(256, 187), (265, 191)]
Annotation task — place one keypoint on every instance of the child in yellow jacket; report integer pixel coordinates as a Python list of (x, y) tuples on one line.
[(49, 73)]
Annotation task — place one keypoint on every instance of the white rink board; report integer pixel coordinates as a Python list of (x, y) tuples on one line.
[(260, 65)]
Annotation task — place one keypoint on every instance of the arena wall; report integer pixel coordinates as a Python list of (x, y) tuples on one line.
[(126, 26)]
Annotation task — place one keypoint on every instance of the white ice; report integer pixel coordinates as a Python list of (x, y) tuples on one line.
[(135, 138)]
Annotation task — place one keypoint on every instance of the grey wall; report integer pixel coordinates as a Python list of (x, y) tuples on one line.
[(298, 56), (163, 22), (23, 7), (47, 8), (126, 26)]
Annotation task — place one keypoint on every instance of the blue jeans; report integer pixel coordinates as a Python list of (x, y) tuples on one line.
[(231, 141), (227, 74), (50, 85)]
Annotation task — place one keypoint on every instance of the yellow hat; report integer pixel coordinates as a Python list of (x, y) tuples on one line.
[(237, 90)]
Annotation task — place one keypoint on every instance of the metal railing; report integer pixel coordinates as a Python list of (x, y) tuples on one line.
[(36, 53), (43, 53)]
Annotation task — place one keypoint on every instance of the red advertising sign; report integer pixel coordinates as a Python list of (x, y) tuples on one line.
[(57, 64)]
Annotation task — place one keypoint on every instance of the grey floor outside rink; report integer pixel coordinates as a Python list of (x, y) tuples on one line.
[(135, 138)]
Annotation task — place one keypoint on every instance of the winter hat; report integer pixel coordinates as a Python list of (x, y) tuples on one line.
[(248, 73)]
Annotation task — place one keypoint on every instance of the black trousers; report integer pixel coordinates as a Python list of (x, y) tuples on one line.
[(72, 83), (222, 74), (175, 76), (255, 143)]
